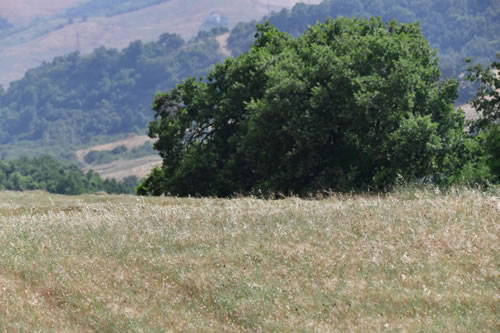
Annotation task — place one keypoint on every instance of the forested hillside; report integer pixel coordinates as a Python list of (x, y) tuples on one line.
[(45, 173), (33, 31), (74, 99), (457, 28)]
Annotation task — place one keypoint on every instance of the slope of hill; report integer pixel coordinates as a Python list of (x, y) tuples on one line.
[(73, 100), (24, 11), (79, 101), (120, 165), (45, 173), (458, 29), (71, 30)]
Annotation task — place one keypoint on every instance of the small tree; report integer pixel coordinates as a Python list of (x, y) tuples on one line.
[(351, 104)]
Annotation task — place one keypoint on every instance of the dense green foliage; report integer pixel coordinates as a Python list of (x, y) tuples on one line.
[(351, 104), (45, 173), (487, 99), (74, 99), (458, 28), (487, 104)]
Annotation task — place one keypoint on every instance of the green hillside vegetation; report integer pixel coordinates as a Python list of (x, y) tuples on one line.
[(74, 100), (350, 104), (458, 29), (45, 173)]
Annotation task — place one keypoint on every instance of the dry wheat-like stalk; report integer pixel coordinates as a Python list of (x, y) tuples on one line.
[(415, 260)]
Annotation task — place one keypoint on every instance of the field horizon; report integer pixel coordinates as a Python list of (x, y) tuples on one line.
[(412, 260)]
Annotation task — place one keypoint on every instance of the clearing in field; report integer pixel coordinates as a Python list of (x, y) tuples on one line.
[(409, 261)]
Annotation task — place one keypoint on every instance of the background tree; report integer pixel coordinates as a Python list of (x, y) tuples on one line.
[(458, 28), (351, 104), (487, 104), (487, 99)]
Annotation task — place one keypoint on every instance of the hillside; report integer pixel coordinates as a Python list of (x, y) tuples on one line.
[(46, 173), (77, 101), (82, 100), (456, 29), (64, 28), (24, 11), (414, 261)]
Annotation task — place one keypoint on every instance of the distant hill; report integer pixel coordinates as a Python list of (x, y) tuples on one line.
[(130, 156), (45, 29), (80, 100), (24, 11), (75, 101)]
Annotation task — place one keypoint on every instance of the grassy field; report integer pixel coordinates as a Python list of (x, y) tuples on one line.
[(415, 260)]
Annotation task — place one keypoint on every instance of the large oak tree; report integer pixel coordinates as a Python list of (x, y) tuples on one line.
[(351, 104)]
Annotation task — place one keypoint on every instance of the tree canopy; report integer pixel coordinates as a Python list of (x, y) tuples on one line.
[(487, 99), (457, 28), (350, 104)]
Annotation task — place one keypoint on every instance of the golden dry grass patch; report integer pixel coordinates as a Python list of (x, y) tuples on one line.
[(408, 261)]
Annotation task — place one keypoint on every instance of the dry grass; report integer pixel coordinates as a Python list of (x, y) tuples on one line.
[(23, 11), (470, 112), (409, 261), (222, 40)]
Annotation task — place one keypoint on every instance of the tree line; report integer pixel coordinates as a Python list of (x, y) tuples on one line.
[(46, 173), (457, 28), (74, 99)]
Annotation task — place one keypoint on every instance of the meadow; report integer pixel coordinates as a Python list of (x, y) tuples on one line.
[(413, 260)]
